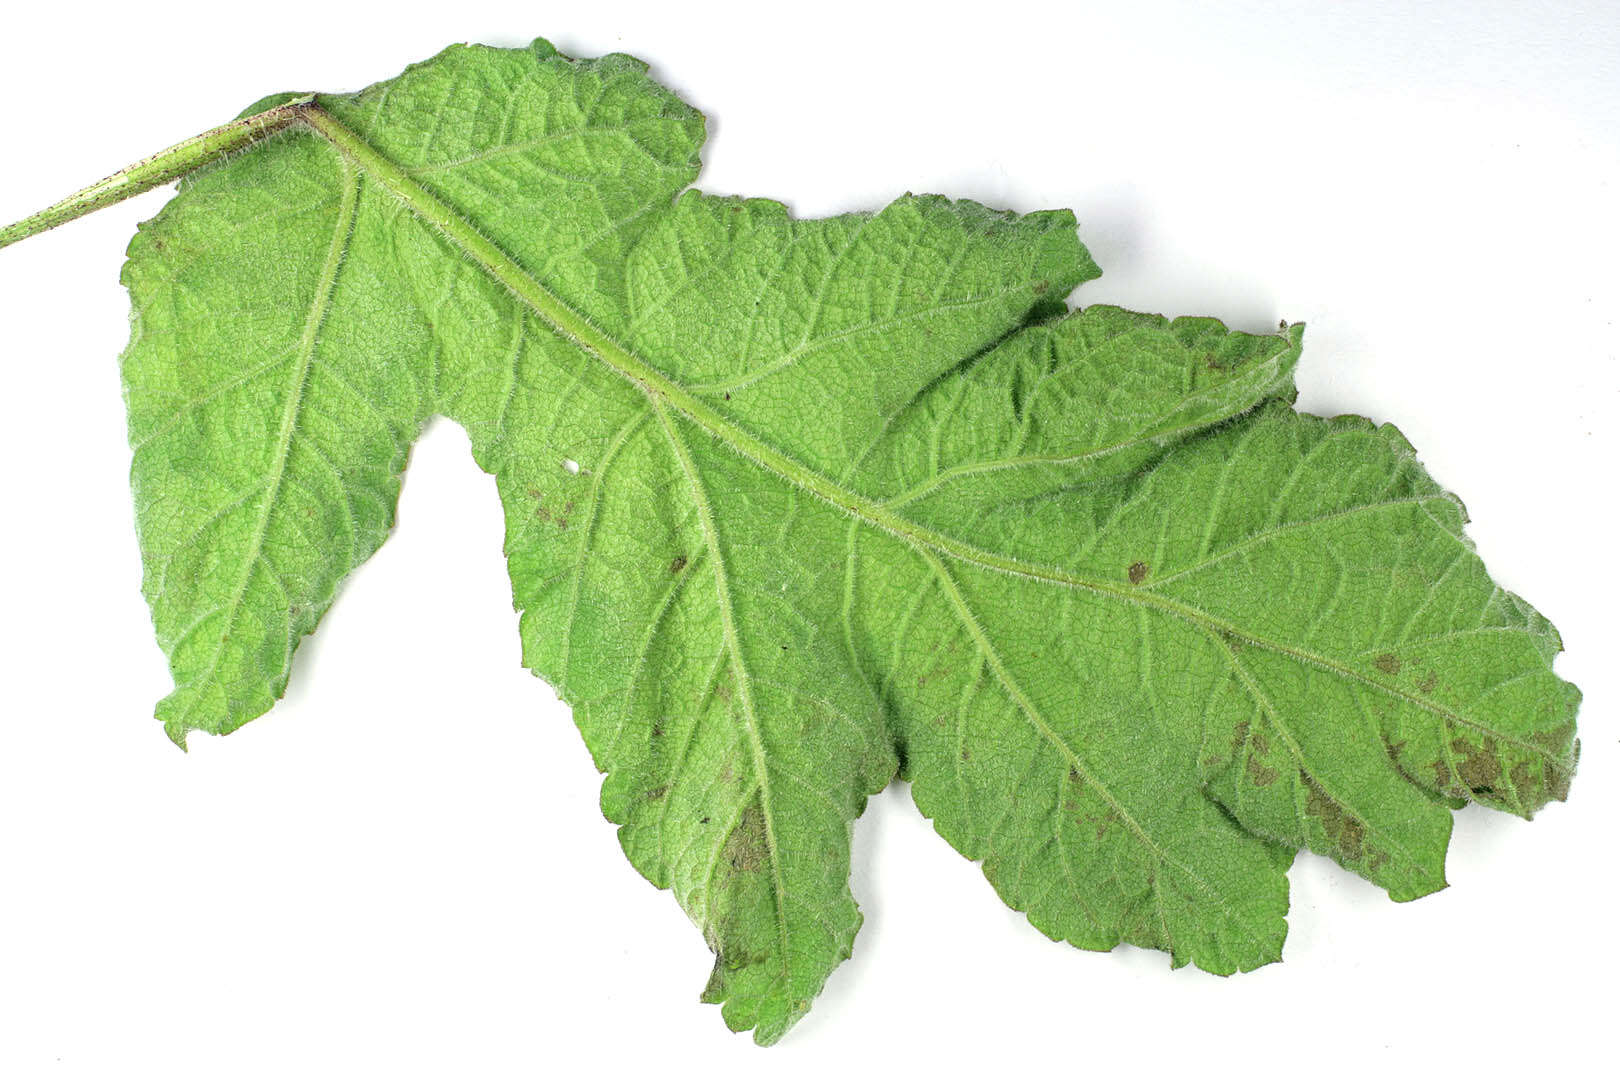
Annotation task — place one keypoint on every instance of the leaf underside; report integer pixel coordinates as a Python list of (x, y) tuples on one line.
[(793, 504)]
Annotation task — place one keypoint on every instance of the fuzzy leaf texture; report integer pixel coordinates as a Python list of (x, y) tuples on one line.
[(794, 504)]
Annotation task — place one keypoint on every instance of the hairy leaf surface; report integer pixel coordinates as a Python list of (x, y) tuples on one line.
[(793, 504)]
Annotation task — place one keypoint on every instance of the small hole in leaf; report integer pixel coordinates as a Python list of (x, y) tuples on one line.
[(570, 466)]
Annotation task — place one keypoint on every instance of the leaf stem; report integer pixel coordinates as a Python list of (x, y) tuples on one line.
[(160, 168)]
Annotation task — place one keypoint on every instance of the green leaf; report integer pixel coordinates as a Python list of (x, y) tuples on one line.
[(791, 505)]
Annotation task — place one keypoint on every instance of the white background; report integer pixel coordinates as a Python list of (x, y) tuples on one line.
[(402, 869)]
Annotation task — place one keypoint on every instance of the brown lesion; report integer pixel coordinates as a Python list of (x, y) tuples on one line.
[(1136, 572), (1444, 780), (1103, 822), (939, 671), (1388, 663), (1479, 767), (1345, 832), (1259, 773), (1517, 779), (1254, 766), (1240, 737), (746, 848)]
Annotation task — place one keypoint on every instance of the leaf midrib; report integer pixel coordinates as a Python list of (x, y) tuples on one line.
[(660, 387)]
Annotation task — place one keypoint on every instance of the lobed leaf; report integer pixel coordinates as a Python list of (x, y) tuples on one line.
[(792, 502)]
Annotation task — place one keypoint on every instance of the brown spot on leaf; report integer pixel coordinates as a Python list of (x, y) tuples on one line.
[(745, 848), (1388, 663), (1350, 838), (1102, 821), (1557, 779), (1427, 684), (677, 564), (654, 794), (1240, 735), (1260, 774), (1343, 830), (1136, 572), (1523, 777), (1442, 776), (1480, 768), (1554, 740)]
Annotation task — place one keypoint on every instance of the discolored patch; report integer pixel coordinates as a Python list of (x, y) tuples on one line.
[(1103, 822), (1523, 778), (746, 848), (1388, 663), (1137, 572), (1480, 768), (677, 564), (1555, 740), (1443, 780), (1344, 832), (939, 671), (1557, 780), (1240, 736)]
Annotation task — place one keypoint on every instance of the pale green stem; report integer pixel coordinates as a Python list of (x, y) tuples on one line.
[(161, 168)]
